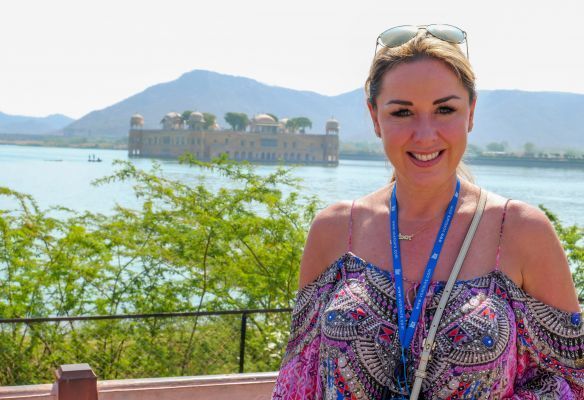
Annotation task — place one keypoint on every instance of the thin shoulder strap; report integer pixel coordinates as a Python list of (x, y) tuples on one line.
[(350, 242), (420, 372), (501, 235)]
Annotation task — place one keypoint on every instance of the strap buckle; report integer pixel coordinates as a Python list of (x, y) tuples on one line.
[(420, 374)]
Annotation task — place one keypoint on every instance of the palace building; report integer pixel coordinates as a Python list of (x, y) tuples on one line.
[(266, 140)]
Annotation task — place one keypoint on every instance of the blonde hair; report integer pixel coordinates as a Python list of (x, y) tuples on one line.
[(423, 46)]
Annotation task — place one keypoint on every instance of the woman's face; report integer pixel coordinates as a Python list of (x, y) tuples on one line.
[(423, 116)]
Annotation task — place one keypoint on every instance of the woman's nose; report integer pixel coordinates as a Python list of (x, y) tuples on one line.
[(425, 131)]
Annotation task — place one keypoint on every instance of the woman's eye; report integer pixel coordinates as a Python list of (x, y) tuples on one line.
[(404, 112), (445, 110)]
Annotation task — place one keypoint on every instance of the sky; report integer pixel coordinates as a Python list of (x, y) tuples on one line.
[(73, 57)]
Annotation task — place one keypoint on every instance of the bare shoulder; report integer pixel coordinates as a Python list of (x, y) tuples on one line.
[(537, 252), (327, 240)]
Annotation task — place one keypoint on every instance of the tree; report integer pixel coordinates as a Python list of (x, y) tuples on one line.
[(473, 149), (572, 154), (299, 124), (186, 248), (237, 121), (529, 149), (185, 115), (291, 125), (572, 238), (209, 120), (493, 146)]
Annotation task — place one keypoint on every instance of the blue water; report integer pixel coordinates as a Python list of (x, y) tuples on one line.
[(62, 176)]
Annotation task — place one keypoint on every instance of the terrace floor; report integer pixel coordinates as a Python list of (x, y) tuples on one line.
[(247, 386)]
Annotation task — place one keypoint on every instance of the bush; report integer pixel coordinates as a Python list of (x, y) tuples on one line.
[(188, 248)]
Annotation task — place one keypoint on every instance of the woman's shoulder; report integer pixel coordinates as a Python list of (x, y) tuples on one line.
[(331, 234), (531, 247), (527, 226), (328, 238), (515, 215)]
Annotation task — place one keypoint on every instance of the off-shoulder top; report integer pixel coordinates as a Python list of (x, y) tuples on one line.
[(494, 341)]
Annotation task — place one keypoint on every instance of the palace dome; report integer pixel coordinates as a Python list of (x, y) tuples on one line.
[(264, 119), (137, 120), (197, 117), (332, 124)]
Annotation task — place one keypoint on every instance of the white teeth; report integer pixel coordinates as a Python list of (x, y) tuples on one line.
[(425, 157)]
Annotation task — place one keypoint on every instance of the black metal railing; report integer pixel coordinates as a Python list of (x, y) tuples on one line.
[(143, 345)]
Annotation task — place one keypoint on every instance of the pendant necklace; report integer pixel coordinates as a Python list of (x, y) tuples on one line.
[(403, 236)]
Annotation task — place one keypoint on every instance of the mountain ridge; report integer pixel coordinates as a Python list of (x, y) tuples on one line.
[(547, 119), (22, 124)]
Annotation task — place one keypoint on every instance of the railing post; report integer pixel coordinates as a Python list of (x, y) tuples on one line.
[(76, 382), (242, 341)]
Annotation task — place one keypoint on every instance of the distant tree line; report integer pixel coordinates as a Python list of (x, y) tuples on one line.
[(528, 150)]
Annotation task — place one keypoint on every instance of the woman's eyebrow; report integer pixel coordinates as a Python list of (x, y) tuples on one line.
[(445, 99), (401, 102), (409, 103)]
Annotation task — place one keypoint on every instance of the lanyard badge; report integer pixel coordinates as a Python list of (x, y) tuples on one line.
[(407, 328)]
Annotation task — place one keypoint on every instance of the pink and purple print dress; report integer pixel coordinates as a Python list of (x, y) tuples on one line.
[(494, 341)]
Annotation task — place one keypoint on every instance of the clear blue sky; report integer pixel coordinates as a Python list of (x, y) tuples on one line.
[(72, 57)]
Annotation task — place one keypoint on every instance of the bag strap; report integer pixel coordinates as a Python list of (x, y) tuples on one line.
[(428, 345)]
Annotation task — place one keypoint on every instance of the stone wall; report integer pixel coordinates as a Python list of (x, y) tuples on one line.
[(255, 147)]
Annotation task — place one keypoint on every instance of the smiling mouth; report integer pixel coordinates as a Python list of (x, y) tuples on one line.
[(425, 157)]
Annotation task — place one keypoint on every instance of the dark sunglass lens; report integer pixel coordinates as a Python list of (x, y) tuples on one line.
[(447, 33), (397, 36)]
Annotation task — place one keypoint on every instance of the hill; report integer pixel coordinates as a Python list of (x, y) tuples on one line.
[(216, 93), (547, 119), (20, 124)]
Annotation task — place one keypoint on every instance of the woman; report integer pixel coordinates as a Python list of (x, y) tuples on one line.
[(511, 327)]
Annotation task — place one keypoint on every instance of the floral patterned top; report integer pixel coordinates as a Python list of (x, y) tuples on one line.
[(494, 341)]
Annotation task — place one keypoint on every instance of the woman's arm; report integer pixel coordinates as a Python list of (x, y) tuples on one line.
[(299, 376), (536, 250), (327, 240)]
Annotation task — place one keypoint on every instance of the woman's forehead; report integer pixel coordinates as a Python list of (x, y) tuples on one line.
[(425, 79)]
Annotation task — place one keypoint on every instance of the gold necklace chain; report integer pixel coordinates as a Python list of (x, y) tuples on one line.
[(403, 236)]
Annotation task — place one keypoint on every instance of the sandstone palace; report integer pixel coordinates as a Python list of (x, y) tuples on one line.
[(265, 140)]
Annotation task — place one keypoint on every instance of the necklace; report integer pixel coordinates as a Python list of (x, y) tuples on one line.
[(403, 236)]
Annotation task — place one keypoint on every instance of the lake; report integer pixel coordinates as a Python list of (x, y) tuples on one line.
[(63, 176)]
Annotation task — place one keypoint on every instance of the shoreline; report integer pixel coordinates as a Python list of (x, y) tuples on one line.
[(87, 145), (505, 161), (498, 160)]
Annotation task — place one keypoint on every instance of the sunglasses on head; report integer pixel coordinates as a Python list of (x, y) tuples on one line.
[(398, 35)]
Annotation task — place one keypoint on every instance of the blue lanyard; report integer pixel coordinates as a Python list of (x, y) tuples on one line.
[(407, 333)]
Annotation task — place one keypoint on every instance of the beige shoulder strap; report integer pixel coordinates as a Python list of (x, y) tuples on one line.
[(420, 372)]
